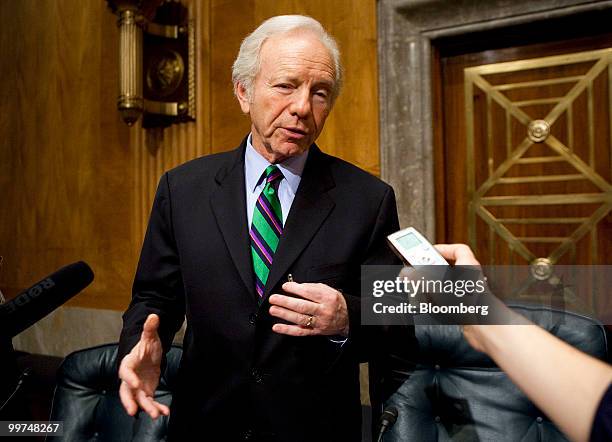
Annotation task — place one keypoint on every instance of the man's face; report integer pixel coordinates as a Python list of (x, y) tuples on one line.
[(292, 95)]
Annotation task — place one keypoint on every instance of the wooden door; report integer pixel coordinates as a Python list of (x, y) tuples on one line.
[(523, 157)]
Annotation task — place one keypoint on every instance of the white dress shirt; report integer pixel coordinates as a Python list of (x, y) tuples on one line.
[(254, 167)]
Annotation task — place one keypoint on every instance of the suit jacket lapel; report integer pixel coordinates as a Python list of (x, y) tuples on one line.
[(228, 204), (311, 206)]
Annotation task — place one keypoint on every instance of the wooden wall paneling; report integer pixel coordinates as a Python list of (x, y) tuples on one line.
[(228, 124), (66, 168)]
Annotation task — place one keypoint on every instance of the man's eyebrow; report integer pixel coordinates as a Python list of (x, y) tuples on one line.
[(324, 83), (283, 78), (294, 79)]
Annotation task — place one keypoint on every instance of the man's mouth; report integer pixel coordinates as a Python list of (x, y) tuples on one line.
[(295, 132)]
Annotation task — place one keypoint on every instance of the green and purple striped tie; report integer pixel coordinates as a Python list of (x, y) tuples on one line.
[(266, 228)]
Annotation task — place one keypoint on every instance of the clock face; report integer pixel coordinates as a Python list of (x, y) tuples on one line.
[(165, 72)]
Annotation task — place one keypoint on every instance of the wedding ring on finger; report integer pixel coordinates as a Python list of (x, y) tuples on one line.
[(309, 322)]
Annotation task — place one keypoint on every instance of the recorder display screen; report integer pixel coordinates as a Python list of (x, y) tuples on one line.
[(409, 241)]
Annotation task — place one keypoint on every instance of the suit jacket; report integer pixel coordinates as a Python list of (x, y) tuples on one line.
[(239, 379)]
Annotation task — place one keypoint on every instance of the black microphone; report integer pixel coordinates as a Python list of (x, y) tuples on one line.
[(43, 297), (387, 419)]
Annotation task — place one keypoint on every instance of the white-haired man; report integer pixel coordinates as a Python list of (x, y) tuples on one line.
[(261, 249)]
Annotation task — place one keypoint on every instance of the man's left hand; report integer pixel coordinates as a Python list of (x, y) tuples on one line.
[(319, 310)]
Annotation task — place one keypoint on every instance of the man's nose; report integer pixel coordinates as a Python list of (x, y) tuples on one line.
[(301, 104)]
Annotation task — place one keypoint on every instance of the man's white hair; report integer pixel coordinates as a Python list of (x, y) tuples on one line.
[(247, 63)]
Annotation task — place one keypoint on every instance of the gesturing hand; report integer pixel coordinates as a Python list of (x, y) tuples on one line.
[(320, 310), (139, 373)]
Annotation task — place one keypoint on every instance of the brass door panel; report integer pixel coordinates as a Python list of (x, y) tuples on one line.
[(539, 157)]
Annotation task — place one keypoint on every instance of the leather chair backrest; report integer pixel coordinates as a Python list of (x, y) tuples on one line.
[(457, 393), (86, 398)]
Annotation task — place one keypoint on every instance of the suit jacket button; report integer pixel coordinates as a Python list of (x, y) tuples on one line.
[(252, 319)]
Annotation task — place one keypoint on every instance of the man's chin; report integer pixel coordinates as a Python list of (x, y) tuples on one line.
[(290, 149)]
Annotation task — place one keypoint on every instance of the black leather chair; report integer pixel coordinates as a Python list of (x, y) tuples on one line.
[(86, 399), (456, 393)]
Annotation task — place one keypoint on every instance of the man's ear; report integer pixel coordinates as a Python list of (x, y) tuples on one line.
[(243, 98)]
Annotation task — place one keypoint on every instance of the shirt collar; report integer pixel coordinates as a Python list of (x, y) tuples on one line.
[(255, 165)]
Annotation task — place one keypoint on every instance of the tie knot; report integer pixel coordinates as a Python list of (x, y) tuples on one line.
[(273, 174)]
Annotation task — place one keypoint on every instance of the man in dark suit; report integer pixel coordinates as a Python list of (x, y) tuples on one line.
[(264, 358)]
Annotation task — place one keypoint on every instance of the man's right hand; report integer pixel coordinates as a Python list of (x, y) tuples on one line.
[(139, 373)]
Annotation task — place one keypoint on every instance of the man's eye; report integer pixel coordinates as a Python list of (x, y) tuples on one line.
[(283, 86)]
